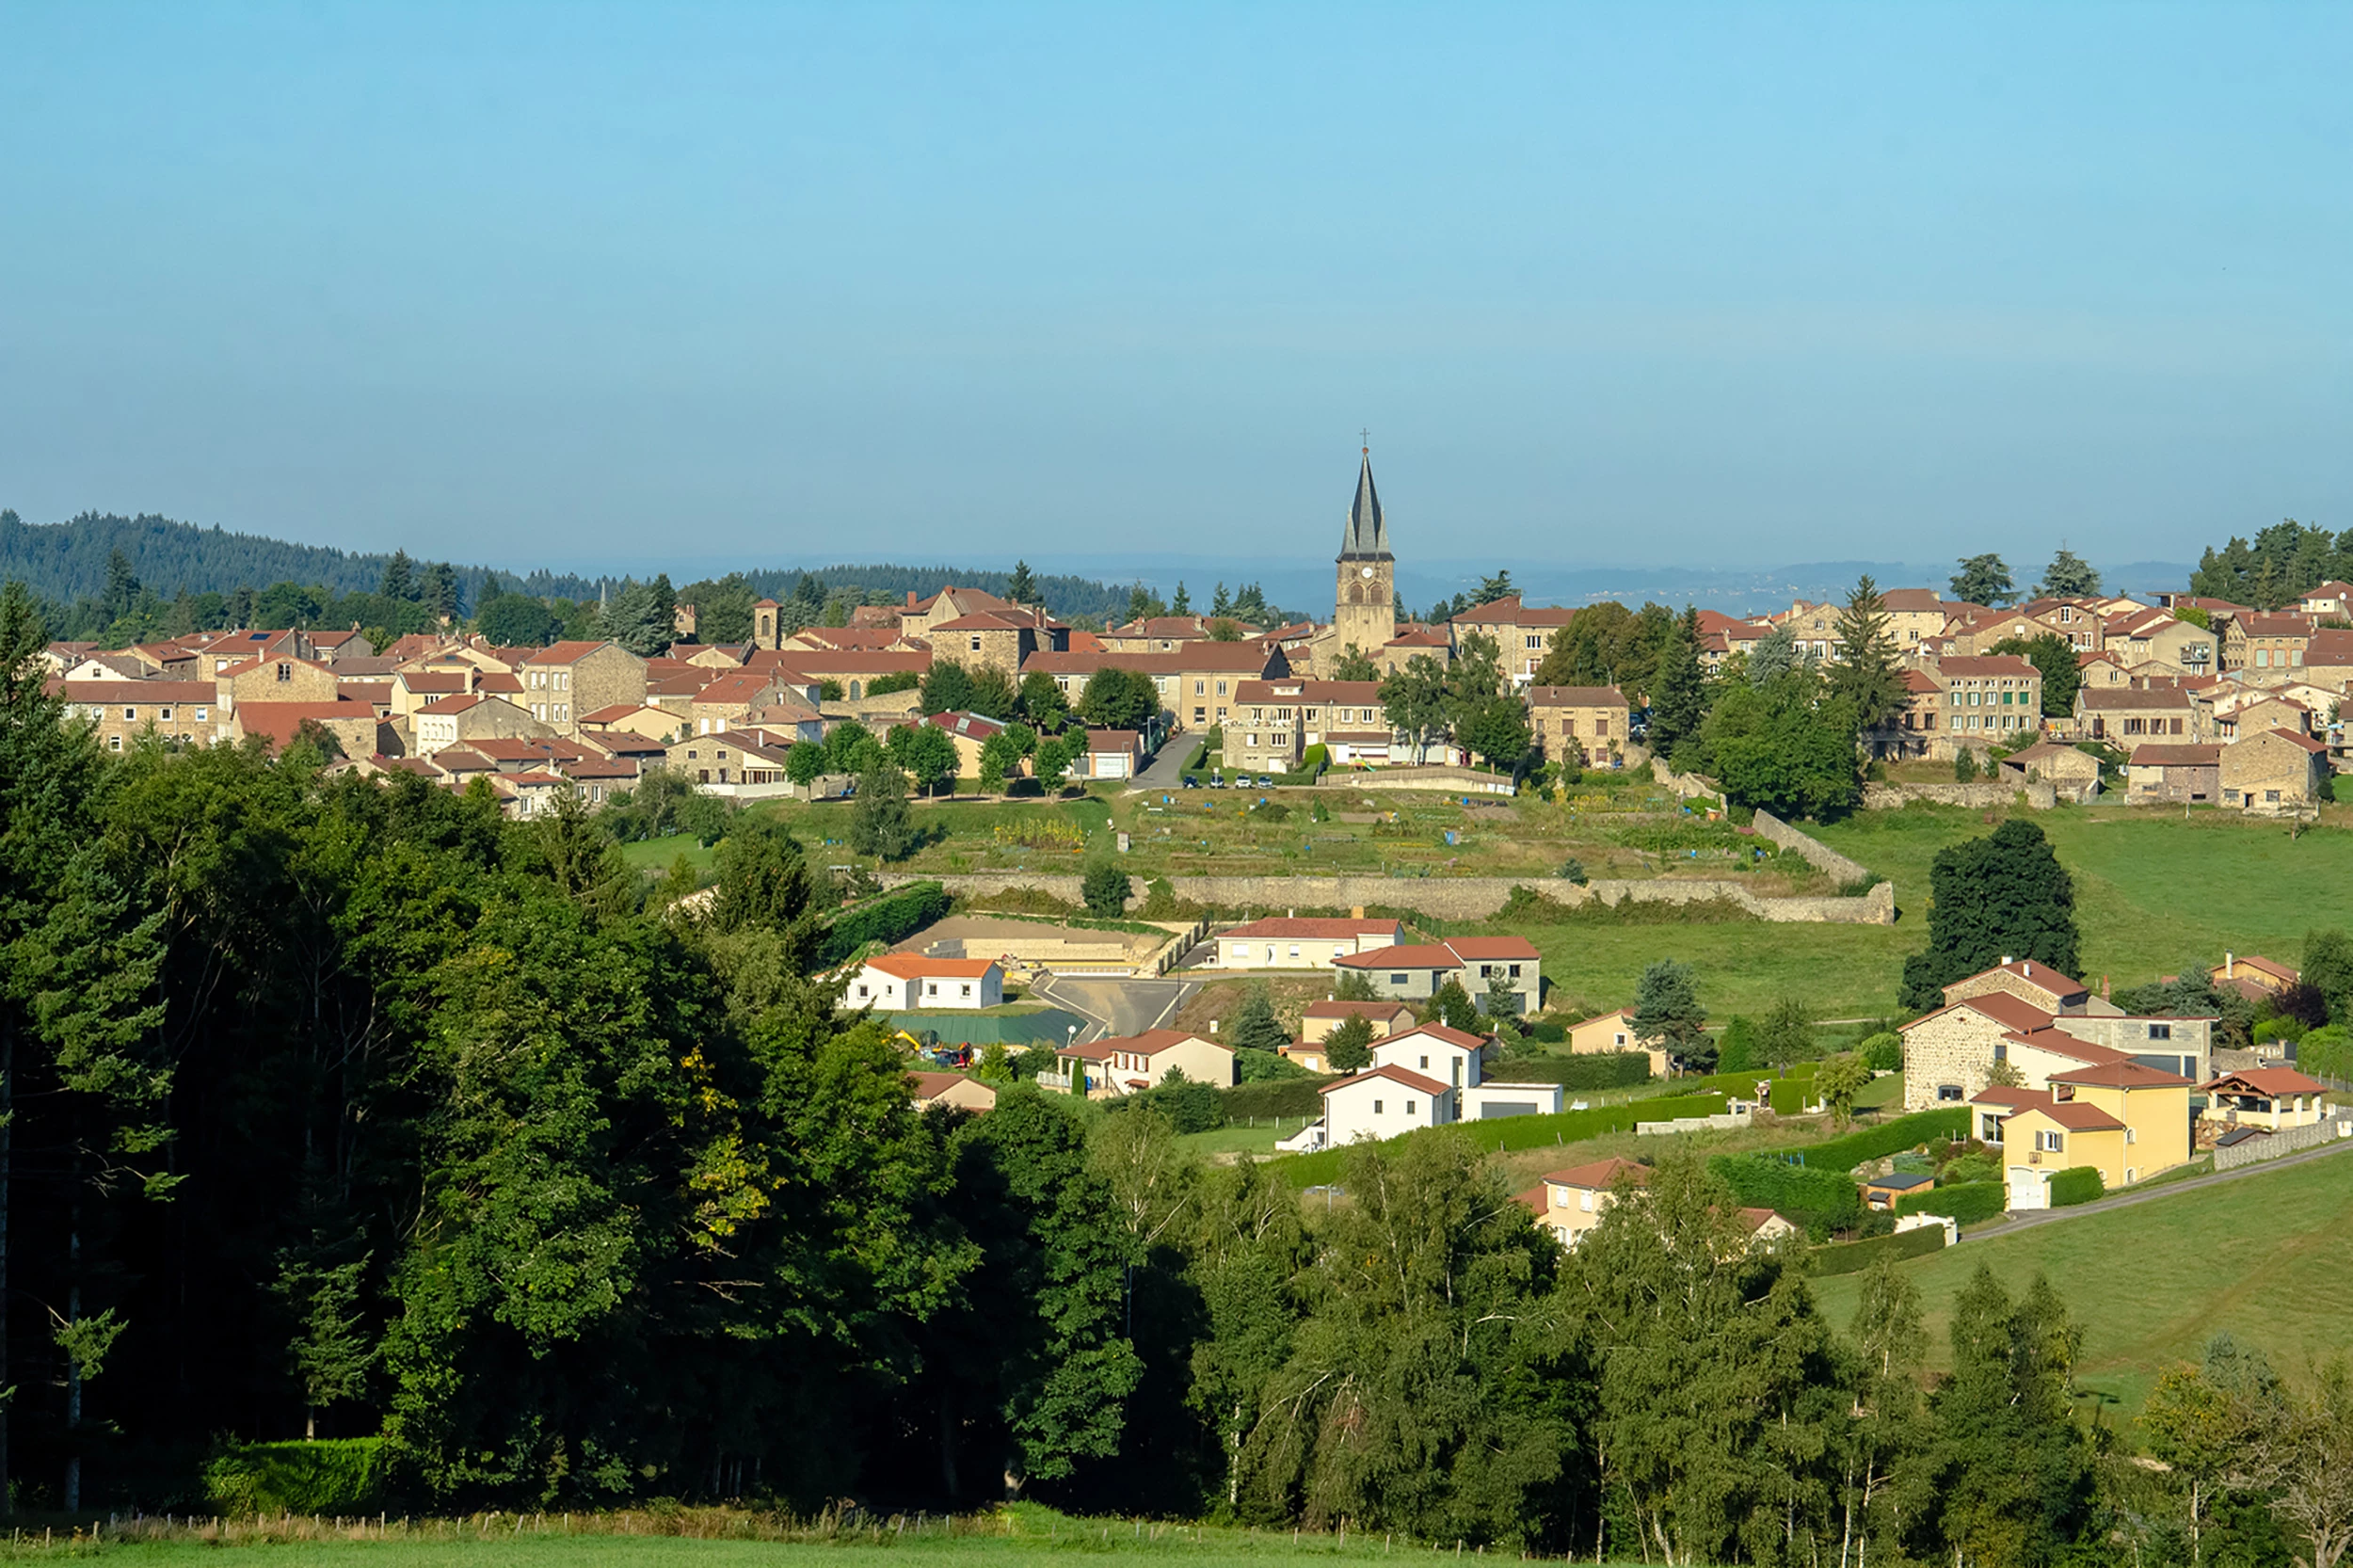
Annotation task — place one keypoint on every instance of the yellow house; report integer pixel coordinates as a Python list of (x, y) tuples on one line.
[(2122, 1119), (1614, 1031), (1572, 1202), (2273, 1098)]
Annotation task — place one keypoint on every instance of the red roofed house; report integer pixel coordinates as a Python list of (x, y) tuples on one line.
[(2272, 1098), (2168, 774), (187, 711), (2265, 643), (1126, 1064), (1382, 1103), (1321, 1017), (960, 1090), (1286, 943), (1523, 633), (1572, 1202), (1593, 721), (2126, 1120), (1109, 754), (998, 639), (2255, 976), (453, 720), (1414, 972), (1989, 699), (352, 724), (897, 981)]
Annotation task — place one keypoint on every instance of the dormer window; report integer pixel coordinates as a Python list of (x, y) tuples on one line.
[(2062, 1091)]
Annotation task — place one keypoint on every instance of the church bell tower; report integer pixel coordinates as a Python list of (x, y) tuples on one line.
[(1363, 605)]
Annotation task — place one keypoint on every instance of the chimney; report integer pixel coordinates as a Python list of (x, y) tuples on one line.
[(2103, 985), (1292, 915), (911, 599), (1355, 911), (2005, 960), (471, 672), (2229, 966), (2028, 967)]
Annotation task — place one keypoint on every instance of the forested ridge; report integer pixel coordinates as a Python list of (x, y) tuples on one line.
[(344, 1106), (202, 575)]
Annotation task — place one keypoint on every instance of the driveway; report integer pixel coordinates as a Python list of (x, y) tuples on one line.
[(1167, 771), (1119, 1007), (2021, 1219)]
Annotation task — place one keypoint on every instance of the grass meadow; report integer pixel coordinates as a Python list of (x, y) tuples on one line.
[(2268, 1258)]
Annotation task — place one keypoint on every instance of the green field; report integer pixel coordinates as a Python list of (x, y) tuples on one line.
[(475, 1543), (2268, 1258)]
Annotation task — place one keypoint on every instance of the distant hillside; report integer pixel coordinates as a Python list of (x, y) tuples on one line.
[(67, 561)]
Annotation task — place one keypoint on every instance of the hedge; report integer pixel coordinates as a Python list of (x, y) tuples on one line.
[(2078, 1184), (892, 918), (1741, 1081), (1280, 1097), (1852, 1257), (1189, 1107), (334, 1476), (1526, 1132), (1761, 1181), (1878, 1143), (1788, 1095), (1608, 1069), (1969, 1202)]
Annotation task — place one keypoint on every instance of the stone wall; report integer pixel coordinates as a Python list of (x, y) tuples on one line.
[(1457, 897), (1983, 795), (2287, 1141), (1953, 1047), (1456, 780), (1816, 854)]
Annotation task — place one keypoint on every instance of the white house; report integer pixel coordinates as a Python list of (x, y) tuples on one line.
[(1286, 943), (1382, 1102), (909, 980), (1132, 1062), (1445, 1054)]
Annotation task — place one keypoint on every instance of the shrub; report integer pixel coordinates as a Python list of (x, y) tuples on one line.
[(1788, 1095), (1270, 810), (1105, 890), (2078, 1184), (1189, 1107), (1573, 870), (1315, 759), (1280, 1097), (1970, 1202), (1852, 1257), (1264, 1066), (1610, 1069), (334, 1476), (1883, 1053), (893, 917)]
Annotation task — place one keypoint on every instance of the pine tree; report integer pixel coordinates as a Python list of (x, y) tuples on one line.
[(1667, 1015), (1984, 579), (1021, 587), (1256, 1027), (400, 580), (1678, 694), (1868, 673), (2068, 576), (1182, 603)]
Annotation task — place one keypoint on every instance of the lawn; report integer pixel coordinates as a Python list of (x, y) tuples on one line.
[(654, 855), (1842, 972), (2268, 1258)]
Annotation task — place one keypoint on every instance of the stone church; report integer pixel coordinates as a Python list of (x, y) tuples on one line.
[(1364, 600)]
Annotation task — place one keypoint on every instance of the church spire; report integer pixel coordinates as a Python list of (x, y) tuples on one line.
[(1368, 533)]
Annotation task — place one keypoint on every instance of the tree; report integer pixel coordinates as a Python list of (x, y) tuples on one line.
[(399, 577), (122, 586), (2200, 1429), (994, 694), (2328, 968), (1042, 702), (1021, 586), (1667, 1015), (1984, 579), (1494, 728), (1142, 604), (1354, 664), (2002, 896), (880, 822), (1786, 1035), (2309, 1462), (1498, 586), (1054, 754), (1180, 603), (1786, 747), (1414, 701), (1774, 656), (927, 753), (516, 620), (1256, 1027), (1348, 1047), (1867, 675), (1838, 1081), (804, 762), (1452, 1006), (1225, 629), (1964, 766), (1002, 753), (1105, 890), (2010, 1473), (1353, 985), (1679, 695), (2054, 657), (2068, 576), (1220, 604), (851, 747), (1116, 699), (947, 688)]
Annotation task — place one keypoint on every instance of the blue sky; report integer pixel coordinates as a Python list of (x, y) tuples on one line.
[(1612, 285)]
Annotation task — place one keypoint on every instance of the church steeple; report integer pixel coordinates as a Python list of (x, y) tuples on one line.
[(1367, 537)]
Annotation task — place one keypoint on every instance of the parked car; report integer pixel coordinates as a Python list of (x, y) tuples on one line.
[(1191, 782), (1265, 782), (1217, 781)]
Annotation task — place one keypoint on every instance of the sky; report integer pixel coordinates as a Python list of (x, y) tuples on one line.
[(589, 285)]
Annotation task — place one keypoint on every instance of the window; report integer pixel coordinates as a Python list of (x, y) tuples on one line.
[(1585, 1202), (864, 991), (1948, 1092), (966, 990), (1376, 1108), (199, 715), (1409, 1107), (976, 645), (164, 714), (1294, 949), (1425, 1064), (285, 673), (1396, 980), (2271, 795), (2160, 1032), (2131, 1135), (930, 988), (2049, 1143), (129, 715), (114, 742)]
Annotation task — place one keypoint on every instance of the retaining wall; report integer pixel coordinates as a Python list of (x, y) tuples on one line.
[(1453, 781), (1454, 898), (2284, 1142), (1812, 852), (1983, 795)]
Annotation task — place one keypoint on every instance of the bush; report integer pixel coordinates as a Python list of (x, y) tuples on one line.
[(893, 917), (1763, 1182), (1189, 1107), (1573, 870), (1280, 1097), (1852, 1257), (1610, 1069), (2078, 1184), (1264, 1066), (335, 1476), (1878, 1143), (1270, 810), (1883, 1053), (1788, 1095), (1315, 759), (1970, 1202), (1105, 890), (1527, 1132)]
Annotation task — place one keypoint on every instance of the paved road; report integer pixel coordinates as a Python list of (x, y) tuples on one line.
[(2022, 1220), (1119, 1007), (1167, 771)]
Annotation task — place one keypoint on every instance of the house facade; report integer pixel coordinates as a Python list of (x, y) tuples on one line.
[(1589, 721), (909, 981), (1383, 1102), (1285, 943), (2275, 770), (1414, 972)]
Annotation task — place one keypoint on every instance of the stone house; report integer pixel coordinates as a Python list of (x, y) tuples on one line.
[(1972, 635), (2329, 658), (1523, 633), (2261, 642), (2039, 986), (2167, 774), (920, 616), (2243, 713), (2160, 710), (2143, 639), (565, 679), (277, 724), (998, 639), (1278, 720), (1154, 634), (1594, 720), (1989, 699), (2276, 770), (1199, 683), (1916, 615), (852, 670), (655, 724), (186, 712), (285, 677), (732, 758), (2070, 769), (454, 720)]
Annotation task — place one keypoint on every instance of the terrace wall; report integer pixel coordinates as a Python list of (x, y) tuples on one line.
[(1456, 898), (2287, 1141)]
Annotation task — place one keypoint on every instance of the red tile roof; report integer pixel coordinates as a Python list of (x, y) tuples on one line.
[(1316, 930), (1410, 1079), (1575, 697), (1599, 1175), (2270, 1080), (914, 965)]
